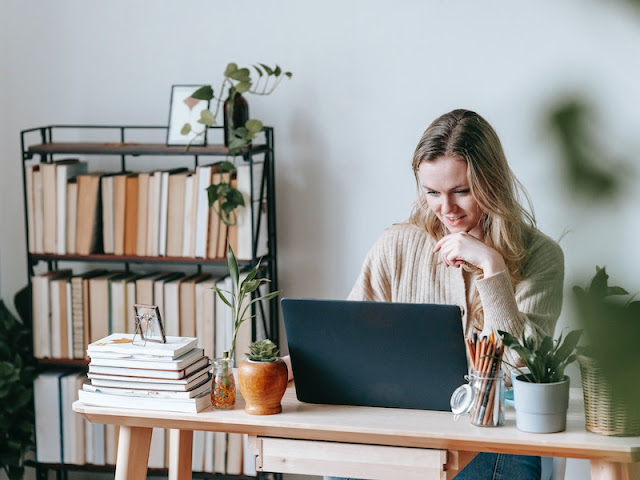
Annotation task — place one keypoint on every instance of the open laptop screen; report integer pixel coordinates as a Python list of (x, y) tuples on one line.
[(375, 353)]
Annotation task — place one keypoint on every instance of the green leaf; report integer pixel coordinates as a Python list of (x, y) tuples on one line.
[(186, 129), (243, 86), (277, 71), (203, 93), (231, 68), (288, 74), (233, 267), (616, 291), (267, 69), (226, 166), (223, 297), (207, 118), (257, 69), (253, 125), (241, 75)]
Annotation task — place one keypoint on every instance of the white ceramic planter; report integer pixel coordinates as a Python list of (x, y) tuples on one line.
[(541, 407)]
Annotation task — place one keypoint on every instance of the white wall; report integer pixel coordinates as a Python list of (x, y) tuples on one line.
[(368, 78)]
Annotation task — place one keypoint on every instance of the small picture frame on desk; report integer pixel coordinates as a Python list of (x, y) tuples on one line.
[(148, 325), (185, 109)]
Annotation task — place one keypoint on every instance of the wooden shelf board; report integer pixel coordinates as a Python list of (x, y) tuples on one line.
[(132, 148)]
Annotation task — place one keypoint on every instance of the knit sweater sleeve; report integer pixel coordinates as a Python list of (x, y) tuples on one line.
[(374, 281), (535, 304)]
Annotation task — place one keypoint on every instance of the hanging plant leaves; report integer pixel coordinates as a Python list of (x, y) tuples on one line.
[(203, 93), (207, 118), (186, 129)]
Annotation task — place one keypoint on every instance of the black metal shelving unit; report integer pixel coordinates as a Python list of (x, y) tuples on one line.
[(121, 143)]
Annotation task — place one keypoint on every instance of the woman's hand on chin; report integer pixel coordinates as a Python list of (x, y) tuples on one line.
[(460, 247)]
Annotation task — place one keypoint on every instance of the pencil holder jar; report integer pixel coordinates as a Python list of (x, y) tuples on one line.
[(482, 398)]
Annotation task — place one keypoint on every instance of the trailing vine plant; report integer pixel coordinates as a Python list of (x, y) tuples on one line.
[(222, 196)]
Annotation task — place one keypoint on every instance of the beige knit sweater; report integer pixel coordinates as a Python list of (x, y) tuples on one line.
[(402, 267)]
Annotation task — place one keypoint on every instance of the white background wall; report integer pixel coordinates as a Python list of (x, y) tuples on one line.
[(369, 76)]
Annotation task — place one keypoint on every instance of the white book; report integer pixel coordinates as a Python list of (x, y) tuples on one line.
[(234, 454), (203, 180), (120, 311), (191, 405), (143, 213), (197, 451), (220, 452), (189, 217), (145, 362), (65, 169), (209, 441), (72, 216), (41, 305), (156, 449), (140, 393), (223, 316), (99, 438), (171, 314), (38, 212), (69, 320), (56, 321), (251, 211), (153, 225), (122, 343), (182, 385), (110, 443), (88, 442), (108, 218), (94, 443), (162, 225), (205, 315), (46, 392), (72, 423), (248, 458), (151, 373), (31, 221)]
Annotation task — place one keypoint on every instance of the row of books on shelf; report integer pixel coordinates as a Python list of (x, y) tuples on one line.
[(63, 437), (157, 213), (70, 311)]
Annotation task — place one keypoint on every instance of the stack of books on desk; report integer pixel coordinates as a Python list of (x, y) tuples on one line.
[(173, 376)]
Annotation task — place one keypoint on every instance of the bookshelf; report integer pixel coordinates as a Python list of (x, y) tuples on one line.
[(130, 148)]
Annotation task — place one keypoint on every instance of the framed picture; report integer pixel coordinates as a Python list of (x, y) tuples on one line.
[(148, 325), (184, 109)]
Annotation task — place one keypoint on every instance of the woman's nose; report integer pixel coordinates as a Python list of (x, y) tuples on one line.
[(448, 205)]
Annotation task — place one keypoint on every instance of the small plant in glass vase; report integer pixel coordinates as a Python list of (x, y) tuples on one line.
[(541, 396), (240, 300), (262, 378), (239, 129)]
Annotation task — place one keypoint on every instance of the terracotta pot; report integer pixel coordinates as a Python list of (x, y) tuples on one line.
[(262, 385)]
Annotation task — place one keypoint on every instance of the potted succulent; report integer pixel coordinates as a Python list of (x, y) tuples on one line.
[(239, 129), (541, 395), (610, 361), (241, 299), (262, 378)]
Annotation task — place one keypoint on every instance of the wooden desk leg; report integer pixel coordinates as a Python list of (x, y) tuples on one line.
[(180, 446), (614, 471), (133, 453)]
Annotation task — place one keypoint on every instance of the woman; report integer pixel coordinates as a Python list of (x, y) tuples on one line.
[(470, 242)]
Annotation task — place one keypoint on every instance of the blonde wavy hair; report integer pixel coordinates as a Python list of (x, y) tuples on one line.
[(505, 222)]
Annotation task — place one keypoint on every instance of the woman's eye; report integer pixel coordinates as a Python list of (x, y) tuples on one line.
[(431, 192), (462, 192)]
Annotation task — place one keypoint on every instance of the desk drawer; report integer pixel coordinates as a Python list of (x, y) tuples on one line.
[(348, 459)]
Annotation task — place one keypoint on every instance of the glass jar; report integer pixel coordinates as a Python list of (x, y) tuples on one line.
[(234, 115), (482, 398), (223, 389)]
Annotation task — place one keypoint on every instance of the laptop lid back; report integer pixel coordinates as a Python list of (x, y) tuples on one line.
[(375, 353)]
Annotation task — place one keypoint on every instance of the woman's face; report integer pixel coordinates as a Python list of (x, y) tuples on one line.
[(446, 188)]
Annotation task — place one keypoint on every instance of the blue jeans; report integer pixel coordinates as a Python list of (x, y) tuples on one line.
[(495, 466)]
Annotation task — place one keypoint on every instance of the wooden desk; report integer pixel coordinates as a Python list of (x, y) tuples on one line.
[(362, 428)]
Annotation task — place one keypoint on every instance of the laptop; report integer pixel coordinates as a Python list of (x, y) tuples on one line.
[(379, 354)]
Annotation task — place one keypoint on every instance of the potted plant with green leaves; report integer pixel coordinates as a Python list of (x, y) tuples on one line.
[(610, 360), (243, 295), (239, 129), (541, 395), (262, 378)]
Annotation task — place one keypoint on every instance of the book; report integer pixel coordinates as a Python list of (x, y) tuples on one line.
[(208, 452), (89, 223), (234, 454), (153, 213), (72, 215), (181, 385), (203, 180), (144, 287), (107, 192), (220, 452), (157, 457), (175, 213), (144, 361), (80, 300), (59, 317), (121, 343), (65, 170), (41, 308), (188, 230), (120, 312), (29, 194), (110, 442), (47, 405), (131, 224), (49, 200), (202, 362), (158, 294), (143, 213), (119, 208), (38, 212), (190, 405), (251, 226), (205, 315), (188, 303), (171, 314), (214, 221), (223, 227), (197, 451), (223, 331), (73, 441), (99, 305), (248, 460), (205, 386), (232, 230)]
